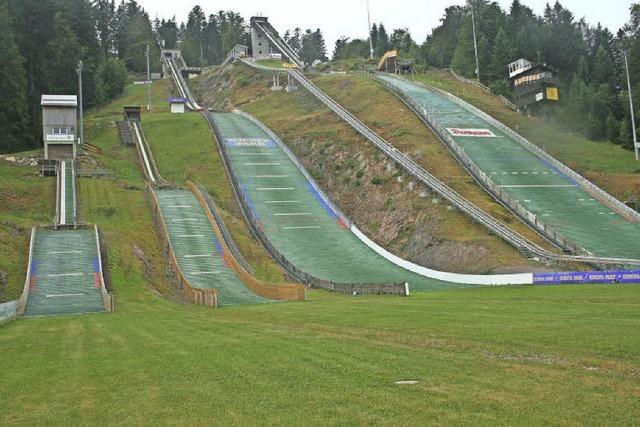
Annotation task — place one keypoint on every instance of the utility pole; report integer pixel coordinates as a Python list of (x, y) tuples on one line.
[(475, 42), (148, 81), (79, 71), (370, 40), (636, 147)]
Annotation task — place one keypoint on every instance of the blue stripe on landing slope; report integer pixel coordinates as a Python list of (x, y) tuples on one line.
[(322, 201)]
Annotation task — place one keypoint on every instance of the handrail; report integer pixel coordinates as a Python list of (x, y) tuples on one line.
[(289, 292), (201, 296), (147, 159), (182, 85), (58, 196), (74, 187), (107, 298)]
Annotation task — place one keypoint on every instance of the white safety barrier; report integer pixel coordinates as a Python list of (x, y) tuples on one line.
[(469, 279)]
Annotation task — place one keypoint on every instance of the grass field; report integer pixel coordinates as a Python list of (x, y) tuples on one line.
[(561, 356), (520, 355)]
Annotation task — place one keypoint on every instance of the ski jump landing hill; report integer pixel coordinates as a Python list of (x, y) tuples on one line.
[(556, 201), (230, 128), (65, 268), (201, 251)]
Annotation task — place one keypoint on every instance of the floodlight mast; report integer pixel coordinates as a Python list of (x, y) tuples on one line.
[(148, 81), (475, 43), (370, 39), (79, 71), (636, 146)]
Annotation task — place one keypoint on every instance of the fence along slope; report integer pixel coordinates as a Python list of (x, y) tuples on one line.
[(290, 292), (569, 204)]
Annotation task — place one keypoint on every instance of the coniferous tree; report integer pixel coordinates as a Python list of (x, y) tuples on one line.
[(13, 87), (382, 44)]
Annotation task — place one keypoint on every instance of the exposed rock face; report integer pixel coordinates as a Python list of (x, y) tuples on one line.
[(374, 194)]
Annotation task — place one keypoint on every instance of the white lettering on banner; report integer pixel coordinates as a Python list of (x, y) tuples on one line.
[(481, 133)]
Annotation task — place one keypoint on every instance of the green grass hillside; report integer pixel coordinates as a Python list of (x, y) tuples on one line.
[(26, 200)]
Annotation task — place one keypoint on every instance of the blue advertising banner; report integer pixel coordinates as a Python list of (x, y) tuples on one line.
[(587, 277)]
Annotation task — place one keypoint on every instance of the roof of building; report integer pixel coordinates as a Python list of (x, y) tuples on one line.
[(59, 100)]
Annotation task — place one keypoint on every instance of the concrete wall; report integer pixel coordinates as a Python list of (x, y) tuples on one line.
[(59, 151), (259, 43)]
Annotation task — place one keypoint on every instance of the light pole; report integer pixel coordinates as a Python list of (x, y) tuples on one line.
[(475, 43), (79, 71), (636, 147), (370, 39), (148, 81)]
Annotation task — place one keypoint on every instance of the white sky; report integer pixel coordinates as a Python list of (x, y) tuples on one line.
[(348, 17)]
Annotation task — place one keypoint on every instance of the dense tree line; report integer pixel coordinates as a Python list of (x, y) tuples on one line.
[(41, 44), (204, 40), (593, 97), (381, 41)]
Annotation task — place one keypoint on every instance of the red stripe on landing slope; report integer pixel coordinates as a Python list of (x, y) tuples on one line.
[(97, 280)]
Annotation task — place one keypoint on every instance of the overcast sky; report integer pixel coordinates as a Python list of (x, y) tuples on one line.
[(348, 17)]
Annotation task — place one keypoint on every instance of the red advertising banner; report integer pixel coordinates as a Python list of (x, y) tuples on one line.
[(480, 133)]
